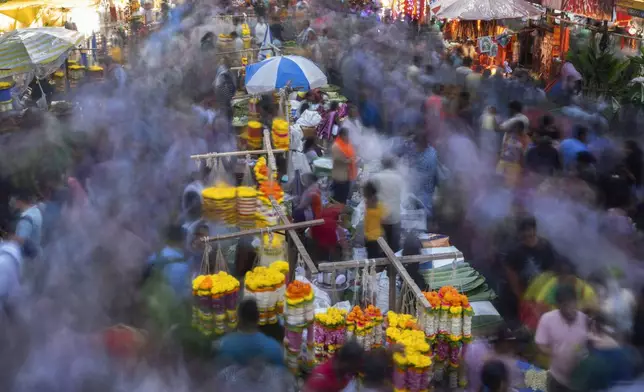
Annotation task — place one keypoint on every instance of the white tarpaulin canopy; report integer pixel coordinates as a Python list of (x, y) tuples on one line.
[(486, 9)]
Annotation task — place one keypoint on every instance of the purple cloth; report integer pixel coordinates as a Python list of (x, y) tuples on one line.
[(325, 127)]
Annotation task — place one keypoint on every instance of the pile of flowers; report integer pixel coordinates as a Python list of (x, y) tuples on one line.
[(413, 366), (202, 314), (298, 317), (215, 303), (255, 132), (219, 203), (536, 380), (279, 133), (266, 286), (299, 304), (329, 330), (261, 170), (281, 267), (266, 214), (448, 325), (246, 207), (366, 325)]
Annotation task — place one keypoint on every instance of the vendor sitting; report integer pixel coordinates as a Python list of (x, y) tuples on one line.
[(314, 98), (296, 99)]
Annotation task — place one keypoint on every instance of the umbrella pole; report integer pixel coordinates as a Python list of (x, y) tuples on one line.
[(67, 87)]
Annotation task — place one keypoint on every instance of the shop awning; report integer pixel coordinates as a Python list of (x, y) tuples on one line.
[(488, 10), (24, 15)]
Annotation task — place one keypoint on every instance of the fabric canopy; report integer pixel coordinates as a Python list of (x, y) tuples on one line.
[(17, 4), (26, 50), (25, 15), (487, 9), (276, 72)]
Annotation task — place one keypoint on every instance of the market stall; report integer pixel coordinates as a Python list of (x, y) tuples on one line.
[(26, 54), (484, 22)]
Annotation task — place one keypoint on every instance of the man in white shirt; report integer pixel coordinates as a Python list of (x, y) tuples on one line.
[(390, 187), (562, 335)]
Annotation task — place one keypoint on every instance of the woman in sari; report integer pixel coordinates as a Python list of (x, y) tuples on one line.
[(330, 119)]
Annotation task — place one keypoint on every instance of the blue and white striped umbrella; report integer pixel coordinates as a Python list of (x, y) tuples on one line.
[(274, 73), (24, 50)]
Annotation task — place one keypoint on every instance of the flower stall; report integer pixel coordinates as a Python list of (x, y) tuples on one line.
[(249, 207)]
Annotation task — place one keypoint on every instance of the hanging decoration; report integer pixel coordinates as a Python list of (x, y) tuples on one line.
[(494, 50), (485, 43)]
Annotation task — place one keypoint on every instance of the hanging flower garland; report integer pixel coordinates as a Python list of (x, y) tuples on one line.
[(329, 331), (264, 284), (299, 314), (215, 303), (448, 326), (412, 371)]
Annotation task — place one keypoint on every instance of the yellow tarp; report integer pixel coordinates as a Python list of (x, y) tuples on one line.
[(14, 4), (26, 15)]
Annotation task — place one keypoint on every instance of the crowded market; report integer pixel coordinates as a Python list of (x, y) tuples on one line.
[(321, 196)]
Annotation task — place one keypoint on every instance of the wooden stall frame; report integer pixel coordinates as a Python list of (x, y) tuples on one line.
[(393, 268), (267, 230), (407, 279), (214, 155), (299, 246)]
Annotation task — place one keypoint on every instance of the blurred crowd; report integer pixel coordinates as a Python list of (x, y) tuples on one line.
[(111, 236)]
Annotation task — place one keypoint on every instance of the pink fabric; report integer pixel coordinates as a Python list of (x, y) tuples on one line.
[(564, 340)]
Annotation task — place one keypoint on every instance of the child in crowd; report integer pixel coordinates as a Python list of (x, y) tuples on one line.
[(374, 213)]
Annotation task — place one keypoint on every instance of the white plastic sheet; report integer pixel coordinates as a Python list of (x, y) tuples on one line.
[(487, 10)]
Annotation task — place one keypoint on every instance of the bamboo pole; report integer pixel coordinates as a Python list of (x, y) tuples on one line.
[(272, 165), (403, 273), (234, 153), (327, 267), (290, 226), (296, 239), (240, 51)]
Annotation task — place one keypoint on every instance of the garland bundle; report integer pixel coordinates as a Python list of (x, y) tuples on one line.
[(329, 331)]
